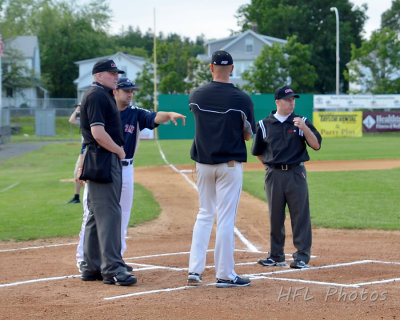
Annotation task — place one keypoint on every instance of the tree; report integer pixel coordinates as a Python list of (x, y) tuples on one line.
[(16, 75), (375, 66), (66, 33), (391, 17), (282, 64), (315, 25)]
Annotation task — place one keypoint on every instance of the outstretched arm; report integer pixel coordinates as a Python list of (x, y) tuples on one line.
[(163, 116)]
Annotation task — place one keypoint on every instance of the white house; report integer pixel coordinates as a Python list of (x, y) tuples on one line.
[(128, 63), (28, 48), (244, 48)]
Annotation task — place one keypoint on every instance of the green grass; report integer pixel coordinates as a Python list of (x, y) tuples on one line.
[(35, 207), (346, 199)]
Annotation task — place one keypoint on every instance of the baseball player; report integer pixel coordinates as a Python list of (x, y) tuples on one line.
[(133, 121), (280, 144), (224, 119)]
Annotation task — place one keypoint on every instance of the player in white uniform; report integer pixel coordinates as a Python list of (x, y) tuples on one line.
[(224, 119), (133, 121)]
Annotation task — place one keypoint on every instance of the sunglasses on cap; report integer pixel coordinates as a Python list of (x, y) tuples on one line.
[(125, 84)]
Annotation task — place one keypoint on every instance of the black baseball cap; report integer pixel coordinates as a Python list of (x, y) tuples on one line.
[(125, 84), (105, 65), (221, 58), (284, 93)]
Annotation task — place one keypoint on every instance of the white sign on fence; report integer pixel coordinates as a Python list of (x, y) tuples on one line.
[(356, 101)]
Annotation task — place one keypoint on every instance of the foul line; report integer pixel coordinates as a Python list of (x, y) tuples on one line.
[(37, 280), (242, 238), (40, 247), (9, 187)]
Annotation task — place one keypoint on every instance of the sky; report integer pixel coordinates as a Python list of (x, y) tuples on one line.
[(213, 19)]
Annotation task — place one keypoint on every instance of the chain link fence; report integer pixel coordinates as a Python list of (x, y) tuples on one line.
[(37, 117)]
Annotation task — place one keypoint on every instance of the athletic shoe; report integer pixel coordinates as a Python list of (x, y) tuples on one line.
[(128, 268), (194, 278), (74, 200), (269, 262), (237, 282), (298, 264), (80, 265), (122, 278), (91, 276)]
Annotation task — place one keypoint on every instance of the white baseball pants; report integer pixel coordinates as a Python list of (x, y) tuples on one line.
[(219, 188), (126, 207)]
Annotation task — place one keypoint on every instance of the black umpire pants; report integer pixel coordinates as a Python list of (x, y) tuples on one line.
[(289, 187)]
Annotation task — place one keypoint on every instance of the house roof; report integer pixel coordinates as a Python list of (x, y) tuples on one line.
[(136, 60), (25, 44), (130, 57), (230, 41)]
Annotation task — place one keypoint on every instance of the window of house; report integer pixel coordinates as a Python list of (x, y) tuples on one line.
[(9, 92), (249, 44)]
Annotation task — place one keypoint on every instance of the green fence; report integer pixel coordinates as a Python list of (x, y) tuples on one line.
[(263, 105)]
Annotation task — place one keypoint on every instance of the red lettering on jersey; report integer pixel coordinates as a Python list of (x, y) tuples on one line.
[(129, 128)]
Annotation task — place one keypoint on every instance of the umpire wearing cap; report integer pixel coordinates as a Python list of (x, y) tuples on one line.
[(280, 144), (101, 125)]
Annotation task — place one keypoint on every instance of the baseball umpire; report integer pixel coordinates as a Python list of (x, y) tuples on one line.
[(133, 120), (280, 144), (101, 128), (224, 119)]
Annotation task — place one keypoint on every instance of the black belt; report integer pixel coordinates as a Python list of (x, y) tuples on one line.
[(283, 167), (126, 162)]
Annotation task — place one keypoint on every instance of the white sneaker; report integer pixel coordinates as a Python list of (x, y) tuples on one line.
[(194, 278)]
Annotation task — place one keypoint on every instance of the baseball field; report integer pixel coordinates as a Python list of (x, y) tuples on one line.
[(355, 268)]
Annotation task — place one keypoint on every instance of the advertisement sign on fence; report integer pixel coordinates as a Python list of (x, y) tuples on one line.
[(381, 121), (338, 124)]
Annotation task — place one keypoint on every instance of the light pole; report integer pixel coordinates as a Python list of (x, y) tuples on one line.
[(337, 48)]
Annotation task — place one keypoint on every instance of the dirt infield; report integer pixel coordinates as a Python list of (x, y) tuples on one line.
[(354, 274)]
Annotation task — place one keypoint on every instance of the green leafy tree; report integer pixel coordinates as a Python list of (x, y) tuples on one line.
[(391, 17), (16, 76), (375, 66), (66, 32), (315, 25), (280, 64), (144, 98)]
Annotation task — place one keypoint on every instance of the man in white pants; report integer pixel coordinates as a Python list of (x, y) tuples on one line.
[(133, 121), (224, 119)]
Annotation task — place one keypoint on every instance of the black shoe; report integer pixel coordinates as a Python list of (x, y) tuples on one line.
[(74, 200), (298, 264), (122, 278), (237, 282), (128, 268), (91, 276)]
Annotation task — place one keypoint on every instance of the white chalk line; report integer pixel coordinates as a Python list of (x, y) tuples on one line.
[(246, 242), (5, 285), (261, 276), (9, 187), (40, 247)]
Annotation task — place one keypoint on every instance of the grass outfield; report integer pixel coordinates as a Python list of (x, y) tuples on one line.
[(35, 206)]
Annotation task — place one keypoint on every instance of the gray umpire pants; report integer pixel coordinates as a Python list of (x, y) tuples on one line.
[(102, 241), (289, 187)]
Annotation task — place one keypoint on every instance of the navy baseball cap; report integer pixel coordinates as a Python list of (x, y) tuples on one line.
[(284, 93), (105, 65), (126, 84), (221, 58)]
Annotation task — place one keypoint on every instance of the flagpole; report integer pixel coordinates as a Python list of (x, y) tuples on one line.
[(155, 70)]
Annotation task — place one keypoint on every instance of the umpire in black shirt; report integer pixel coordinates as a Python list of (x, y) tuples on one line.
[(280, 144), (101, 126)]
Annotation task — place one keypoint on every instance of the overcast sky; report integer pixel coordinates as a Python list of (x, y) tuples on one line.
[(191, 18)]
